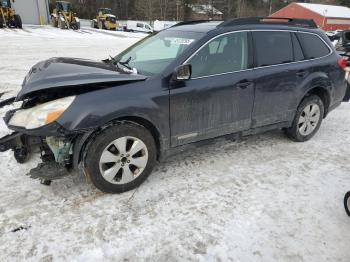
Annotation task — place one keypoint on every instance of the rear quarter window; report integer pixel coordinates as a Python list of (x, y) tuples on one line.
[(313, 46)]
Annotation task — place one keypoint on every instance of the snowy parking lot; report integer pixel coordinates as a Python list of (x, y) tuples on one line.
[(263, 198)]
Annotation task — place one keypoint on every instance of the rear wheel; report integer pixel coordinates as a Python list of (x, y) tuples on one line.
[(307, 120), (18, 21), (120, 158)]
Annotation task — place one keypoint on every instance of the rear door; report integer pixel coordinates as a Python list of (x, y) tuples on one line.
[(275, 77), (218, 99)]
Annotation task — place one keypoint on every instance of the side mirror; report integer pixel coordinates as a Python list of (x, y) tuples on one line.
[(183, 72)]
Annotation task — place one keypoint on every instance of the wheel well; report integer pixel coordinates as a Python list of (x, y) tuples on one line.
[(78, 154), (148, 125), (323, 94)]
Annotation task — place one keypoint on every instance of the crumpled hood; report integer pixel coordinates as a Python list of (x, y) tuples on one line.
[(69, 73)]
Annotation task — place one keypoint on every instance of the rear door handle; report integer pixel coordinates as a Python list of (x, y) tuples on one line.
[(244, 84), (301, 73)]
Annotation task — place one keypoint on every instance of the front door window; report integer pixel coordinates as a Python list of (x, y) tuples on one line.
[(224, 54)]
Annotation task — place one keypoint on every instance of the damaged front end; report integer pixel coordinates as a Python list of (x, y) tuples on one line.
[(48, 90), (36, 131)]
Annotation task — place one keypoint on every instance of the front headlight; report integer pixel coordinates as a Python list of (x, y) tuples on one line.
[(42, 114)]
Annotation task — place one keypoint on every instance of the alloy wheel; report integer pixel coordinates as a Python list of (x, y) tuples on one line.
[(123, 160), (309, 119)]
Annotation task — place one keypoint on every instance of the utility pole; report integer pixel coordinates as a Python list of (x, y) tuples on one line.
[(270, 10)]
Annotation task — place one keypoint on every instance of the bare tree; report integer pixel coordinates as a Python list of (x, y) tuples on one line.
[(163, 6)]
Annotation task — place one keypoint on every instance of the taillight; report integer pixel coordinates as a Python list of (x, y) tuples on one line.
[(342, 63)]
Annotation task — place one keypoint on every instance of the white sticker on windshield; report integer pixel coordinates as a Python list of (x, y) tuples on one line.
[(179, 41)]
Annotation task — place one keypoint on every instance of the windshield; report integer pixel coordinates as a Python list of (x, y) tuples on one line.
[(153, 54), (105, 10), (63, 6)]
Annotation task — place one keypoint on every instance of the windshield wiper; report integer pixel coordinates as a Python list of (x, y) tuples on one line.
[(128, 69), (126, 63)]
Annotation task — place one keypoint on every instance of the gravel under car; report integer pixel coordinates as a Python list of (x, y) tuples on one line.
[(184, 86)]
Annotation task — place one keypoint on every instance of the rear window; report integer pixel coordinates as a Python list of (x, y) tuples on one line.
[(313, 46), (273, 48)]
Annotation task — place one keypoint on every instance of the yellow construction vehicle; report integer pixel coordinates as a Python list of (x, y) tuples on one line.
[(63, 16), (8, 17), (104, 19)]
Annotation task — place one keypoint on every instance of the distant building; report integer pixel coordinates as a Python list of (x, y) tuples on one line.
[(35, 12), (203, 12), (327, 17)]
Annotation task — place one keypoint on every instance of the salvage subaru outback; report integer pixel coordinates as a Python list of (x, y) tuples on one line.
[(194, 82)]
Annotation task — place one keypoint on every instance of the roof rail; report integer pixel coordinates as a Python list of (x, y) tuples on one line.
[(270, 20), (195, 22)]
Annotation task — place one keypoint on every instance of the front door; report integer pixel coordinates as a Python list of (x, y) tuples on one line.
[(218, 99)]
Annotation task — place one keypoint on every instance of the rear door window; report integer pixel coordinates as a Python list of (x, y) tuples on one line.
[(273, 48), (313, 46)]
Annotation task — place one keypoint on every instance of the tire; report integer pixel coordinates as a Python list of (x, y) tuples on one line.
[(61, 24), (100, 25), (108, 176), (1, 23), (347, 203), (21, 155), (54, 22), (75, 26), (18, 21), (311, 110)]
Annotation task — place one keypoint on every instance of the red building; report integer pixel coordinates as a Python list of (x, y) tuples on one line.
[(327, 17)]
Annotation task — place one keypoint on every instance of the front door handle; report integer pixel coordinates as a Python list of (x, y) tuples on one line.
[(244, 84)]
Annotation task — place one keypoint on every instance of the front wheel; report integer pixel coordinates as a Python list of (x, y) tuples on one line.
[(93, 24), (100, 25), (120, 158), (18, 21), (54, 22), (347, 203), (307, 120)]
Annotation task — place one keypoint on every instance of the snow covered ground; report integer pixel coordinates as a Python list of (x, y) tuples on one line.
[(264, 198)]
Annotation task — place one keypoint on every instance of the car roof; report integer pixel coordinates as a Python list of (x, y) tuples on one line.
[(194, 26), (247, 23)]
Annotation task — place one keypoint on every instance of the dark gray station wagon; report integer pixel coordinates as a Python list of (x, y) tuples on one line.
[(186, 85)]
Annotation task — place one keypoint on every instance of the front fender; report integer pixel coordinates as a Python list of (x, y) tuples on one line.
[(143, 100)]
